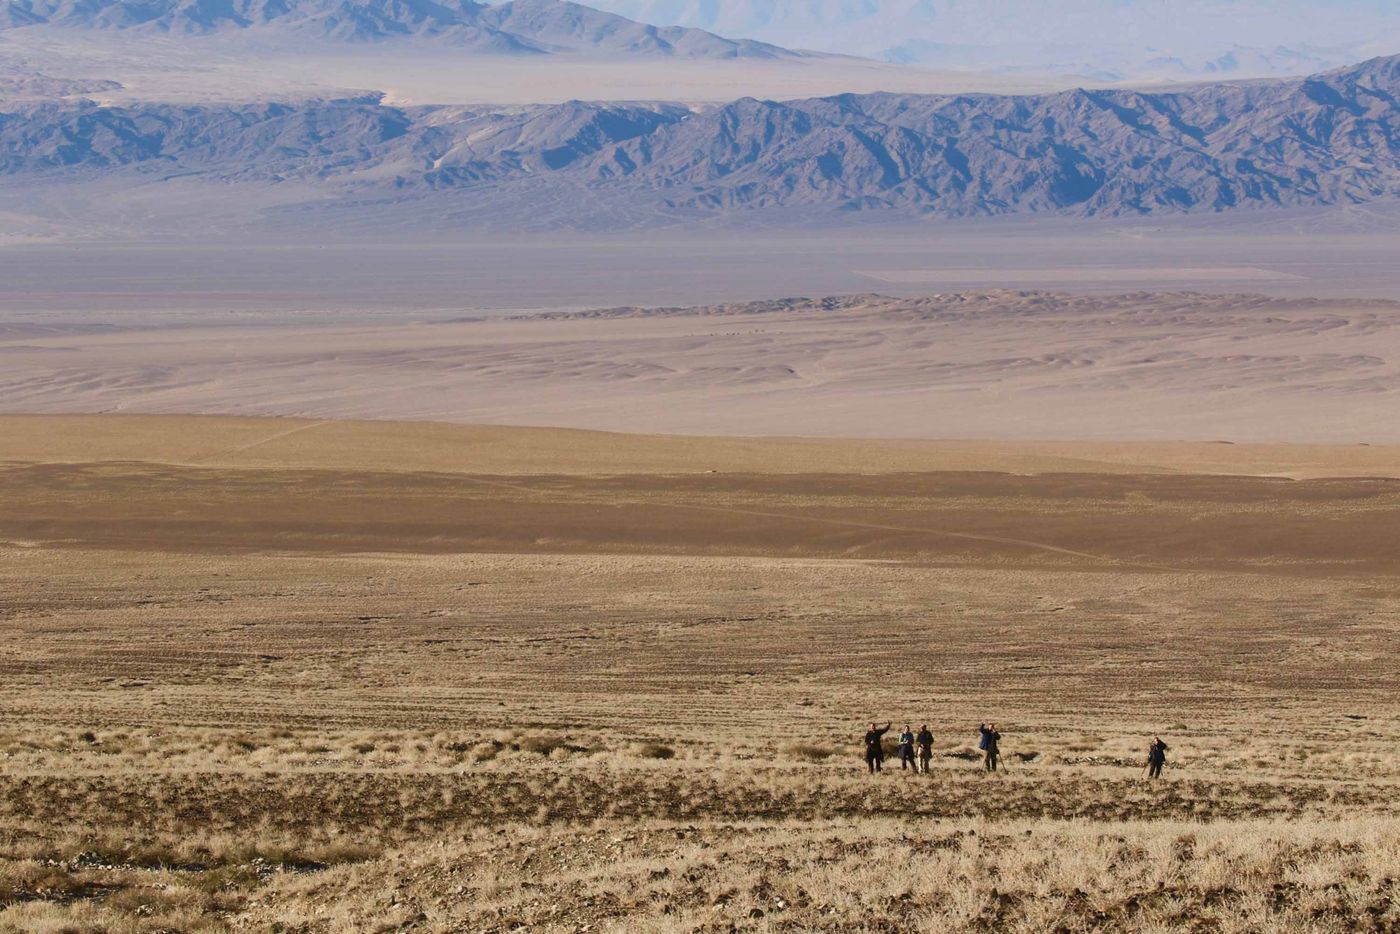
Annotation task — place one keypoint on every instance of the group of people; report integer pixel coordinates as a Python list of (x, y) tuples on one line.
[(908, 742), (915, 750)]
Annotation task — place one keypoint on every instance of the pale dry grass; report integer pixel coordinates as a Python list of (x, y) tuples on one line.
[(218, 714), (408, 447), (879, 873)]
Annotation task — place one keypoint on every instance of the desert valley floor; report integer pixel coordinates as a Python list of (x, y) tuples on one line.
[(308, 675), (493, 466), (1009, 364)]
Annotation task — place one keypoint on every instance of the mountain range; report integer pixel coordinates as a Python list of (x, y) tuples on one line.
[(1108, 40), (516, 27), (1325, 140)]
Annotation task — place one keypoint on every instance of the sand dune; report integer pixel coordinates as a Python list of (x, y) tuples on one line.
[(999, 365)]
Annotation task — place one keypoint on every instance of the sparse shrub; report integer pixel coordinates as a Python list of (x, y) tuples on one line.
[(222, 879), (364, 748), (809, 751), (142, 902), (543, 745), (652, 751), (314, 859), (335, 854)]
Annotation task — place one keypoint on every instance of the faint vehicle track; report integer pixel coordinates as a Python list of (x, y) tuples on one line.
[(848, 523), (275, 436)]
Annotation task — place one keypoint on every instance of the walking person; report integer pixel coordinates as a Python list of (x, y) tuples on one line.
[(906, 750), (925, 741), (1156, 757), (874, 747), (990, 744)]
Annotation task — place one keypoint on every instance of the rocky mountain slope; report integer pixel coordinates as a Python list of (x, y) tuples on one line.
[(520, 26), (1326, 140)]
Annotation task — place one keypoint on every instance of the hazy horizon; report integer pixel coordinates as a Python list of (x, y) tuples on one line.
[(1101, 39)]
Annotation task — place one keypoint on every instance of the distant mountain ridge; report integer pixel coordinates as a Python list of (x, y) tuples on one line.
[(520, 26), (1106, 40), (1326, 140)]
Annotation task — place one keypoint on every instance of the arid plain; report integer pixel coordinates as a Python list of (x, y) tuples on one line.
[(1007, 364), (428, 502), (311, 675)]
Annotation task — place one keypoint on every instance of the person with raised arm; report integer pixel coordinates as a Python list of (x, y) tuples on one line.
[(990, 743), (874, 747)]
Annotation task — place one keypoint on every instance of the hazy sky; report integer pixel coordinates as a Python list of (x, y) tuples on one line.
[(1273, 35)]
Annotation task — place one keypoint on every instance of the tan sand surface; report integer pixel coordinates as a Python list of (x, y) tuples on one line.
[(1005, 366)]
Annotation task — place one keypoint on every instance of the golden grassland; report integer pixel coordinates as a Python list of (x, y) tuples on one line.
[(477, 695), (436, 447)]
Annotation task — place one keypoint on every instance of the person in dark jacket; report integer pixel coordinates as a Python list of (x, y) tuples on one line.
[(925, 742), (874, 748), (990, 744), (1156, 757), (906, 750)]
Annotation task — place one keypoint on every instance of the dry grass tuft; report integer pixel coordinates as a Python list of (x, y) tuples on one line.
[(811, 752), (651, 750)]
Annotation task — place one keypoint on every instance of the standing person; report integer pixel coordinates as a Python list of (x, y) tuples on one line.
[(906, 750), (1156, 757), (874, 749), (925, 741), (989, 743)]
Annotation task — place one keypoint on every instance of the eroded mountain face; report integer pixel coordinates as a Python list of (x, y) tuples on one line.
[(522, 26), (1331, 139)]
